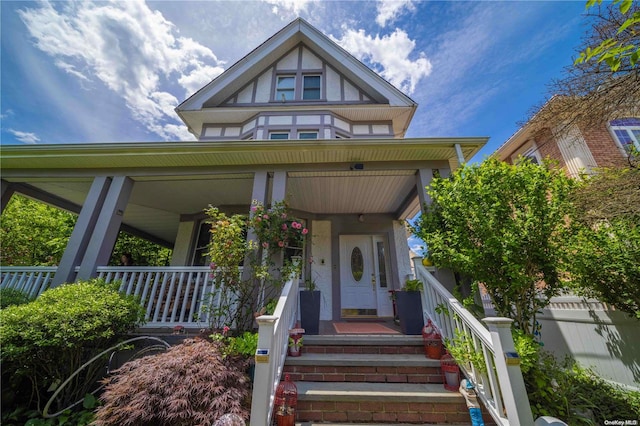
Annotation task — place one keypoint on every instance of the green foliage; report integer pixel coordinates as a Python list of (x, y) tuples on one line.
[(12, 297), (412, 285), (504, 226), (464, 351), (604, 253), (574, 394), (618, 51), (33, 233), (144, 253), (275, 227), (48, 339), (190, 384), (244, 345)]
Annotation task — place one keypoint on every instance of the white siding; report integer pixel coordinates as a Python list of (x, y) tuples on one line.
[(289, 62), (343, 125), (249, 126), (279, 120), (351, 93), (308, 119), (211, 132), (333, 85), (232, 131), (381, 129), (360, 129), (263, 91), (244, 97), (310, 61)]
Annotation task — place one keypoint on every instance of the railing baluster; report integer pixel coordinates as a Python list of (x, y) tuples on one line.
[(177, 298), (168, 297), (162, 296)]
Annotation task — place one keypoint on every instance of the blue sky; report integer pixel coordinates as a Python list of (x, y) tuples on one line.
[(114, 71)]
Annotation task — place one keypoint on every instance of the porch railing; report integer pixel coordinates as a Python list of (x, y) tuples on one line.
[(273, 339), (172, 296), (31, 280), (497, 379)]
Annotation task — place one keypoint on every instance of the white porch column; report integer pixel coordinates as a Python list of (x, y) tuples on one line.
[(423, 180), (279, 190), (106, 231), (460, 155), (82, 231), (7, 192)]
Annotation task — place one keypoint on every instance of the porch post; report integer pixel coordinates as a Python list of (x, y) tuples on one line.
[(460, 155), (7, 192), (423, 180), (79, 240), (259, 194), (279, 190), (107, 227)]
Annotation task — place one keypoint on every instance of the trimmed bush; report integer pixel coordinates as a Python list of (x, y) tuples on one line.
[(190, 384), (48, 339)]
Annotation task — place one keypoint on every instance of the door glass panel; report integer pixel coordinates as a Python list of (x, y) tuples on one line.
[(382, 264), (357, 264)]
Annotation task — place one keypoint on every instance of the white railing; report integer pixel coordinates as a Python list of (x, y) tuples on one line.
[(273, 339), (499, 384), (31, 280), (172, 296)]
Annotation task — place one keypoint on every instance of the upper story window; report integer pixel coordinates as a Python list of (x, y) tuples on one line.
[(278, 135), (626, 132), (529, 151), (285, 88), (310, 87), (307, 135)]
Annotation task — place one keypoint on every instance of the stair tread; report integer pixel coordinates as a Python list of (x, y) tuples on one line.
[(346, 359), (402, 392), (363, 340)]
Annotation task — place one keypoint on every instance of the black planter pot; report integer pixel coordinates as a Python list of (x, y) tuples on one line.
[(310, 311), (409, 304)]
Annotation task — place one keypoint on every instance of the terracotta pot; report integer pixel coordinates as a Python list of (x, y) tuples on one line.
[(285, 419)]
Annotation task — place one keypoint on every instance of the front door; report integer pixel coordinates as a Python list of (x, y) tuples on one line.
[(364, 277)]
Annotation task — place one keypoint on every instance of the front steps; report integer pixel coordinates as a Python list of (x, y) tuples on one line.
[(371, 379)]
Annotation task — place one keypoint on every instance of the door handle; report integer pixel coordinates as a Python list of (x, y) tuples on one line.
[(373, 281)]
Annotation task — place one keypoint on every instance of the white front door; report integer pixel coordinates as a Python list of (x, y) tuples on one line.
[(364, 276)]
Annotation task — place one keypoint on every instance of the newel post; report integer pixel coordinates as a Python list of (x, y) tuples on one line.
[(263, 377), (507, 362)]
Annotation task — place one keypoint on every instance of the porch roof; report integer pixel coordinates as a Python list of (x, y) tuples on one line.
[(176, 180)]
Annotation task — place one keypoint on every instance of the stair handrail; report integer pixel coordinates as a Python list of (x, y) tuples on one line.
[(499, 382), (273, 339)]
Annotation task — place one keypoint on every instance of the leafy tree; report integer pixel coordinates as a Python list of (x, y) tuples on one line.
[(603, 83), (619, 50), (604, 253), (504, 226), (33, 233)]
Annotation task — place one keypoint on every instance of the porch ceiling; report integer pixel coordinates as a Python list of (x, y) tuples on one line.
[(175, 179)]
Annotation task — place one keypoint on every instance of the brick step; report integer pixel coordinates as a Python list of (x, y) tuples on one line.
[(390, 403), (374, 368), (364, 344)]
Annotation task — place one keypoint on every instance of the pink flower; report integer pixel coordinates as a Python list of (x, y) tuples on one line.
[(258, 219), (284, 215), (305, 231), (295, 225), (265, 216), (254, 208), (265, 244), (284, 227), (225, 329), (211, 276), (212, 265), (280, 243)]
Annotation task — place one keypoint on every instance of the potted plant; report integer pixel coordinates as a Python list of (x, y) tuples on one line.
[(310, 307), (295, 344), (409, 305)]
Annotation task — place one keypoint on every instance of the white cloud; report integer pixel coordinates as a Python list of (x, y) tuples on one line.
[(128, 47), (388, 56), (25, 137), (288, 8), (388, 10), (8, 113)]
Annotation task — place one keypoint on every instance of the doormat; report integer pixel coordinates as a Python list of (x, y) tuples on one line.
[(362, 328)]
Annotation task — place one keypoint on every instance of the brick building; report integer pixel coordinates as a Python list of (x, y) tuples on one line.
[(575, 148)]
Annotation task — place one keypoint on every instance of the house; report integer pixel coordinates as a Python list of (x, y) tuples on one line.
[(576, 148), (299, 119)]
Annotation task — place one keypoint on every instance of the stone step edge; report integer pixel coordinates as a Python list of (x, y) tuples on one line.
[(387, 392), (363, 340), (358, 360)]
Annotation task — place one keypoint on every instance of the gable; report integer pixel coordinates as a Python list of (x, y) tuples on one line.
[(298, 63), (349, 88)]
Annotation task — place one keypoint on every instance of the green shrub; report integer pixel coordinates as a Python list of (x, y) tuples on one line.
[(12, 297), (193, 383), (576, 395), (47, 340)]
